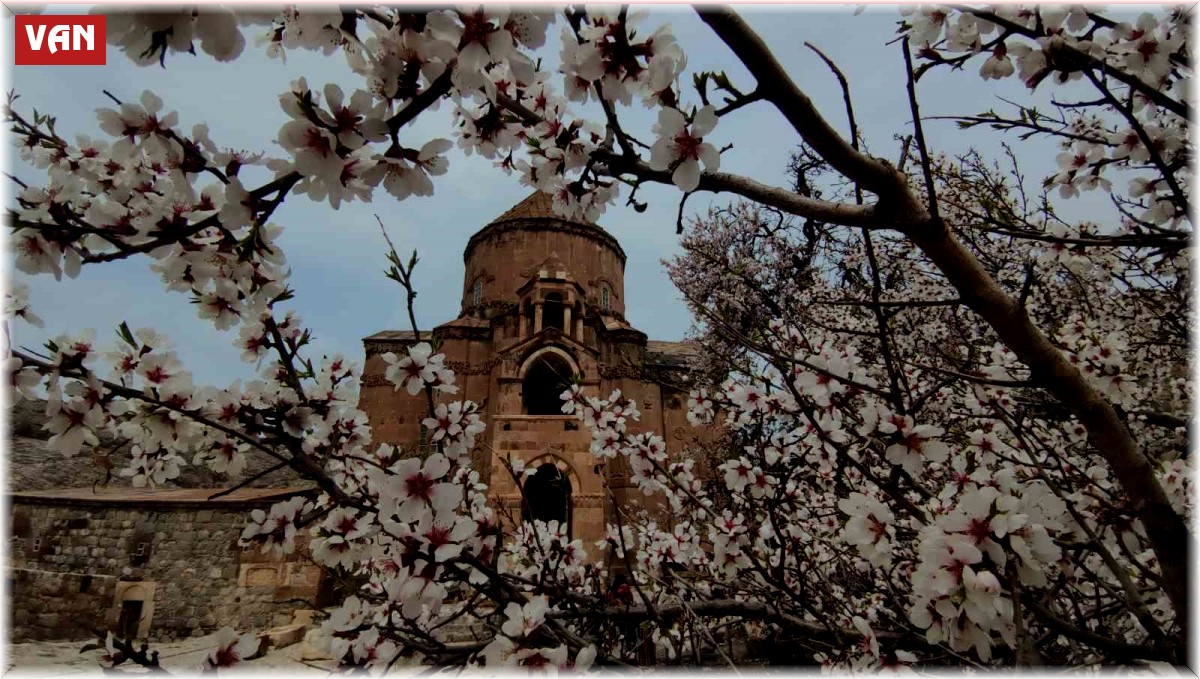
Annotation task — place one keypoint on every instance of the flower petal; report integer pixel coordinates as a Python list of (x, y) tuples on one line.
[(704, 122), (687, 175)]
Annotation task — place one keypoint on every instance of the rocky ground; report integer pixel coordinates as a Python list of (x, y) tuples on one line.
[(299, 649), (62, 658)]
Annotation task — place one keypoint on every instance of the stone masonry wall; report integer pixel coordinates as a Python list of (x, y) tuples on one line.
[(53, 605), (505, 259), (184, 563)]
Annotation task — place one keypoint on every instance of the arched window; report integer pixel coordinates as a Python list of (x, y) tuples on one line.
[(604, 301), (477, 292), (545, 381), (548, 496), (552, 312)]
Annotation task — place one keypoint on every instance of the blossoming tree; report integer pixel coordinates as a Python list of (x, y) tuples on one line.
[(956, 421)]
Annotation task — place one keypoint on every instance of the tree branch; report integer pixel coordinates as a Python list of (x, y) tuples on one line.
[(875, 175), (721, 182)]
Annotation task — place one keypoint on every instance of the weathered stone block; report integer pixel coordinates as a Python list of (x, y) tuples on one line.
[(286, 635), (259, 575)]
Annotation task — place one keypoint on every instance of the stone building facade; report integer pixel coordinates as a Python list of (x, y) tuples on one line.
[(146, 564), (543, 305)]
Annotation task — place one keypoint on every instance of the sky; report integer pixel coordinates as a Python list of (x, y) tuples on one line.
[(337, 257)]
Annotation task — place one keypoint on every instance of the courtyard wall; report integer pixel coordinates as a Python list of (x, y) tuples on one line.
[(77, 559)]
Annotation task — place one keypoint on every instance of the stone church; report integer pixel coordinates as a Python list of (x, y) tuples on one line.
[(543, 304)]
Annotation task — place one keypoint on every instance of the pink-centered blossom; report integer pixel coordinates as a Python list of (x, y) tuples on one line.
[(681, 145)]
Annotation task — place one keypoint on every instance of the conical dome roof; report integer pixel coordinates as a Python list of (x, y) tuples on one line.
[(538, 205), (536, 212)]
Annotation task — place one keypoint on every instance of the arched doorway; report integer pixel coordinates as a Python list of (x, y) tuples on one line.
[(545, 381), (548, 496)]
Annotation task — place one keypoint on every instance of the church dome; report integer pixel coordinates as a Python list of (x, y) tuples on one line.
[(518, 245)]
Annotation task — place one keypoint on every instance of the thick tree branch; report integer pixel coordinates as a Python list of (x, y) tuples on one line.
[(722, 182), (875, 175), (980, 292), (1051, 370)]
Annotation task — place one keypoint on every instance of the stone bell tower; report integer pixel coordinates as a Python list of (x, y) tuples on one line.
[(543, 306)]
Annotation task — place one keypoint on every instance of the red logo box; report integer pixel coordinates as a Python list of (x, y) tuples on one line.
[(59, 40)]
